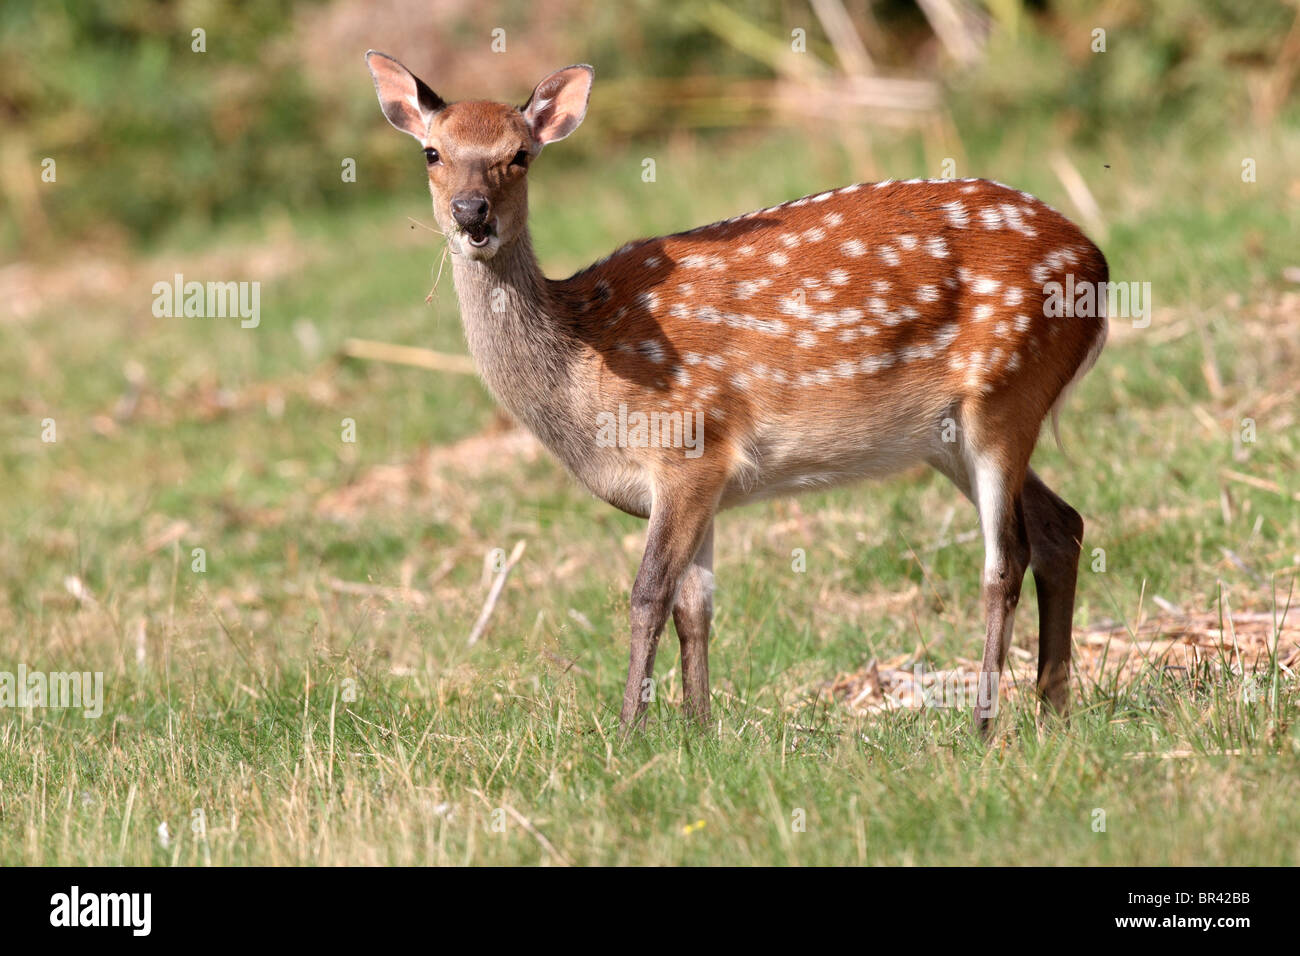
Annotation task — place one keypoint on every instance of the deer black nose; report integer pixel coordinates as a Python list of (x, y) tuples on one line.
[(470, 210)]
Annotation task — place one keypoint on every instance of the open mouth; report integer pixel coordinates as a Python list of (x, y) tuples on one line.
[(478, 234)]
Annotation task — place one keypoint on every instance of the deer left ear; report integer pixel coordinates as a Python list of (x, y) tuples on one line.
[(559, 103)]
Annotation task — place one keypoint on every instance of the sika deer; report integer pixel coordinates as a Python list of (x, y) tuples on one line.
[(844, 335)]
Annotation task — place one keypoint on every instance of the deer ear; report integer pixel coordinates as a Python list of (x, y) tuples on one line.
[(406, 101), (559, 103)]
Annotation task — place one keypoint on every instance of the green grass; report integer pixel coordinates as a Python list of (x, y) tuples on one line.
[(225, 689)]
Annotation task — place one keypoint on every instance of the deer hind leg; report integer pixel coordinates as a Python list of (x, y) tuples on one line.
[(678, 526), (692, 616), (993, 486), (1055, 540), (996, 475)]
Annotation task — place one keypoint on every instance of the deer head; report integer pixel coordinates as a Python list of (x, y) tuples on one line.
[(478, 152)]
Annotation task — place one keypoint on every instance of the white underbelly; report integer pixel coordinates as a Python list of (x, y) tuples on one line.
[(791, 463)]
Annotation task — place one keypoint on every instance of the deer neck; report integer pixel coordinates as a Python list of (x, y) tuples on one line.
[(516, 332)]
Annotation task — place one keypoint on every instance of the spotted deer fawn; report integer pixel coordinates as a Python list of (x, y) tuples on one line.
[(844, 335)]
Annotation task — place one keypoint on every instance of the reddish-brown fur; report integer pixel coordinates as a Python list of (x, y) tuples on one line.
[(693, 293)]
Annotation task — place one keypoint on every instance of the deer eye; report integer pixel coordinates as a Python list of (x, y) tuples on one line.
[(430, 155), (521, 159)]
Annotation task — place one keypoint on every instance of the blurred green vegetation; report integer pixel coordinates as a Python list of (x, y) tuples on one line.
[(147, 133), (143, 129)]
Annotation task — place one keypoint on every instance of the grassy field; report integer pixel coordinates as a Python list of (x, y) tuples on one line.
[(309, 696)]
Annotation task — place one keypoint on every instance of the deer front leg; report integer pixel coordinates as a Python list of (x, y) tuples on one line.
[(692, 616), (677, 529)]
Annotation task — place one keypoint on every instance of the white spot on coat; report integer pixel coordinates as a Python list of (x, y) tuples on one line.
[(957, 214)]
